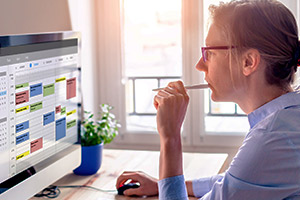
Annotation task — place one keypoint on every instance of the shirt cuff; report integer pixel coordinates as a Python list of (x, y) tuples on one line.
[(172, 188)]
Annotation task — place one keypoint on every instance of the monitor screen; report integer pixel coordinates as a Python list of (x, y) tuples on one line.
[(39, 100)]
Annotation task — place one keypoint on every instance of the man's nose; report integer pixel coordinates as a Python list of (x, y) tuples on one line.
[(201, 66)]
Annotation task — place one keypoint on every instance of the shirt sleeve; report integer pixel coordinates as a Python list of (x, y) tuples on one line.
[(267, 166), (202, 186), (172, 188)]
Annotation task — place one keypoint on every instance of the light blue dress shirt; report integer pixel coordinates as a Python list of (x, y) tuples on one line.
[(267, 165)]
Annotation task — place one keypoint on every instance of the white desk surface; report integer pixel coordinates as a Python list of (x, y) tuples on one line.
[(114, 162)]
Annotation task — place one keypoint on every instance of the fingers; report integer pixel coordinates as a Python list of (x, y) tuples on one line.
[(173, 89), (160, 95), (122, 179), (180, 89), (169, 90), (134, 191), (125, 176), (178, 86)]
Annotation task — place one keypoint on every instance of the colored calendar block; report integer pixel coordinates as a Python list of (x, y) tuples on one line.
[(58, 109), (60, 128), (36, 89), (36, 145), (71, 88), (22, 138), (22, 97), (48, 118), (22, 126)]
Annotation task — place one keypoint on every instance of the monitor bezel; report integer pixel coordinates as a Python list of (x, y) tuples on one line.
[(40, 175)]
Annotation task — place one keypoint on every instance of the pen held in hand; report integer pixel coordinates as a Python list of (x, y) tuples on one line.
[(188, 87)]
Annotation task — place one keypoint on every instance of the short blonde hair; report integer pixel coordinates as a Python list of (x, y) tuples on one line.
[(265, 25)]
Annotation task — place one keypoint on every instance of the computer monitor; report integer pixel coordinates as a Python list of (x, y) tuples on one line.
[(40, 105)]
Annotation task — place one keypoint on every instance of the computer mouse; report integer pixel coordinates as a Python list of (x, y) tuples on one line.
[(127, 186)]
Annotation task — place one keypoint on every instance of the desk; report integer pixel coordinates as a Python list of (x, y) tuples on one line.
[(114, 162)]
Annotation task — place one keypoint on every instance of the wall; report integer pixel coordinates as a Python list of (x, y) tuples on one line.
[(34, 16), (31, 16)]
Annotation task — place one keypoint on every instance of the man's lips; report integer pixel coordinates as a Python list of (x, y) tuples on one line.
[(209, 85), (207, 82)]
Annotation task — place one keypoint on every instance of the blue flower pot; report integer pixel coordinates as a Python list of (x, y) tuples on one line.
[(91, 158)]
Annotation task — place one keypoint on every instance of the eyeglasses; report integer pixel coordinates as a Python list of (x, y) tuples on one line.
[(205, 53)]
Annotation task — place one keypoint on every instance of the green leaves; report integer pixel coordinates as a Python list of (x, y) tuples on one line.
[(103, 130)]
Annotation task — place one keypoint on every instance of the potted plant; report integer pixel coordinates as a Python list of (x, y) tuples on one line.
[(94, 134)]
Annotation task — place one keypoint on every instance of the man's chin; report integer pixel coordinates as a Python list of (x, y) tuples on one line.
[(214, 96), (217, 98)]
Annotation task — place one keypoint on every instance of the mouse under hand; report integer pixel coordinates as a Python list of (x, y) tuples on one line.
[(124, 187)]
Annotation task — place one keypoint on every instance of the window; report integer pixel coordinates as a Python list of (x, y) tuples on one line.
[(160, 42), (152, 56)]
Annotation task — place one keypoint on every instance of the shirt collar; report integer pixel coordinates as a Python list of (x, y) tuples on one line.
[(282, 102)]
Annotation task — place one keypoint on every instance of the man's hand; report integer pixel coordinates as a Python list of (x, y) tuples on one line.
[(171, 104), (148, 184)]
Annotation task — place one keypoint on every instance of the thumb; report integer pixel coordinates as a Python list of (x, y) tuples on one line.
[(132, 191)]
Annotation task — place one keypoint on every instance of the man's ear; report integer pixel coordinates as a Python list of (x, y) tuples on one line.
[(251, 61)]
